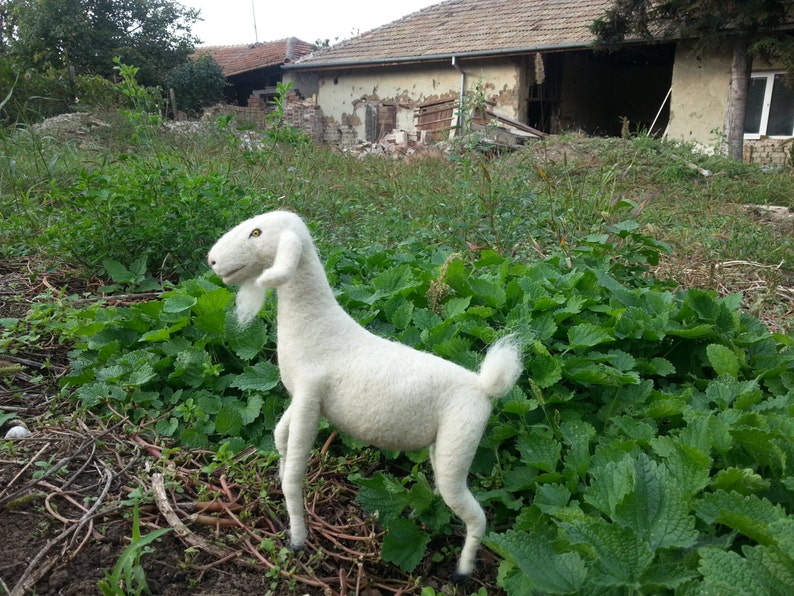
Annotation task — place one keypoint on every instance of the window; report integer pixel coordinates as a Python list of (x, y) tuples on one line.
[(770, 106)]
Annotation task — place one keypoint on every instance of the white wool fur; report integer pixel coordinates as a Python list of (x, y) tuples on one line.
[(381, 392)]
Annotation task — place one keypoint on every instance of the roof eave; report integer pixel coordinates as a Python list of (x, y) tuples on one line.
[(432, 57)]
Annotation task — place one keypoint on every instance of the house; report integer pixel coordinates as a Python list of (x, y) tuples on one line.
[(253, 70), (531, 62)]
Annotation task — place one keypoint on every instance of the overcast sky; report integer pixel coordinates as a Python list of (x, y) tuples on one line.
[(231, 22)]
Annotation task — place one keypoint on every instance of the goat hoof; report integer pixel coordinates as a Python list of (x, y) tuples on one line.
[(460, 578)]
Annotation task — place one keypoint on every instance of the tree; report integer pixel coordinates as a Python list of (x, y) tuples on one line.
[(750, 28), (197, 83), (86, 34)]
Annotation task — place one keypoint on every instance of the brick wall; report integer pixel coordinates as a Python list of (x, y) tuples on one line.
[(770, 152)]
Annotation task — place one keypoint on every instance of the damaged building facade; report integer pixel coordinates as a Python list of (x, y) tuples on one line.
[(531, 62)]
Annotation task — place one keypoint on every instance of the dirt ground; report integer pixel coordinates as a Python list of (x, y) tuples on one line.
[(66, 494)]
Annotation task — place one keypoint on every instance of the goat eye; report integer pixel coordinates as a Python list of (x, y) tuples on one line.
[(255, 233)]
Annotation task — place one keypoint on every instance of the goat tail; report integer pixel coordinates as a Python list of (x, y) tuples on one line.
[(501, 367)]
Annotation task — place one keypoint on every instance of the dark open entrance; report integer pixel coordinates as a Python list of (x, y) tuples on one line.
[(596, 93)]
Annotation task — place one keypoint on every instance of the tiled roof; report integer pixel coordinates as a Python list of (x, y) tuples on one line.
[(468, 27), (245, 58)]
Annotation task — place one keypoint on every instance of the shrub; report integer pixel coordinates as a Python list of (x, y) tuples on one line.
[(197, 83)]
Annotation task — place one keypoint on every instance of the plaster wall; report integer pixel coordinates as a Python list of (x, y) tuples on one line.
[(343, 94), (700, 96)]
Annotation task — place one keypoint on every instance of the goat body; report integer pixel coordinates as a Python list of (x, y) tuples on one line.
[(379, 391)]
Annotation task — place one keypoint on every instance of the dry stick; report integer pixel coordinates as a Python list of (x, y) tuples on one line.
[(32, 573), (161, 500)]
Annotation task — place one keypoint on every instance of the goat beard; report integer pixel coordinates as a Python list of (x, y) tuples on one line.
[(250, 299)]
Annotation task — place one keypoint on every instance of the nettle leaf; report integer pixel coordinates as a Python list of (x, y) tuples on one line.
[(228, 420), (490, 292), (455, 306), (726, 572), (623, 557), (744, 481), (404, 544), (548, 571), (383, 496), (252, 409), (177, 303), (749, 515), (656, 510), (399, 311), (723, 360), (609, 484), (587, 335), (689, 466), (539, 448), (426, 319), (543, 368), (394, 280), (262, 376), (773, 566), (247, 342)]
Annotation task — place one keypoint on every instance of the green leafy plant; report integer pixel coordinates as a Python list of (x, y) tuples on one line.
[(127, 576)]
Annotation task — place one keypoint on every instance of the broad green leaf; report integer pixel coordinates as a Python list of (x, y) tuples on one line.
[(228, 420), (543, 368), (247, 342), (609, 485), (404, 544), (726, 572), (491, 293), (586, 335), (748, 515), (252, 409), (548, 571), (622, 556), (177, 303), (260, 377), (773, 566), (688, 465), (455, 306), (394, 280), (723, 360), (744, 481), (382, 495), (539, 448), (656, 509)]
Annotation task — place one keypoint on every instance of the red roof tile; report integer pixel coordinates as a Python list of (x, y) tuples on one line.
[(245, 58), (466, 27)]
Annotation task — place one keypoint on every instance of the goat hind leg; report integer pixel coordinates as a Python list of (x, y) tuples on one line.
[(453, 457), (281, 438)]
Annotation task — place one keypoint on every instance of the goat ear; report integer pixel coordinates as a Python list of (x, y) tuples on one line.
[(288, 255)]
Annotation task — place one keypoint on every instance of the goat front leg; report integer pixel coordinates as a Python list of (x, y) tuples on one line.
[(297, 432)]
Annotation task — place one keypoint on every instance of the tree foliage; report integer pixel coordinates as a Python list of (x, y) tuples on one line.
[(748, 27), (86, 34), (197, 83)]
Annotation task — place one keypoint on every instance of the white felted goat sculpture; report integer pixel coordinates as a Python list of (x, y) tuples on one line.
[(381, 392)]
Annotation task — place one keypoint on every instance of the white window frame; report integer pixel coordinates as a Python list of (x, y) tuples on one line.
[(770, 84)]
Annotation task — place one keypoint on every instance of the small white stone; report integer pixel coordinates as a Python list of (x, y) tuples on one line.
[(17, 432)]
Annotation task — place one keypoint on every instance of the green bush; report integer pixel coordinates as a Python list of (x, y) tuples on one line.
[(197, 83)]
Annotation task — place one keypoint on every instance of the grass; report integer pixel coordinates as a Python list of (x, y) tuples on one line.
[(69, 201)]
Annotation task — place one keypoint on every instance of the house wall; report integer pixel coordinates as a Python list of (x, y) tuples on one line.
[(344, 94), (700, 96), (701, 82)]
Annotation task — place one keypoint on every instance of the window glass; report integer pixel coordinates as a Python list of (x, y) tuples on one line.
[(781, 110), (755, 105)]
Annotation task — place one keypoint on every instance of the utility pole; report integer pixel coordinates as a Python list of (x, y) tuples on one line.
[(253, 12)]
